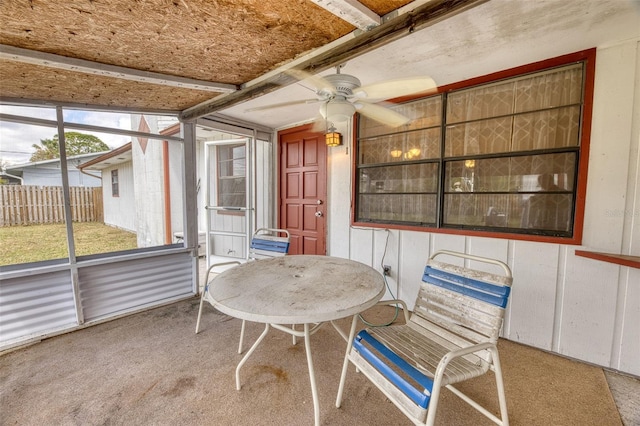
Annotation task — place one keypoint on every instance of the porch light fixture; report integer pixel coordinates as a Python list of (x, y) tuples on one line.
[(333, 138)]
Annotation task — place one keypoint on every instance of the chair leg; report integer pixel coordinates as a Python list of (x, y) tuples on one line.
[(200, 310), (345, 363), (241, 337), (502, 399)]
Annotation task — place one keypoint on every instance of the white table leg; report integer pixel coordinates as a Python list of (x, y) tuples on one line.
[(248, 354), (345, 364), (312, 377)]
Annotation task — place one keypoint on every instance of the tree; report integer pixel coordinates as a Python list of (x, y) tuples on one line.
[(76, 144)]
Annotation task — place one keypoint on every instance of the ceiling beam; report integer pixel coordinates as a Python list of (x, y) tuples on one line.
[(12, 53), (353, 12), (393, 29)]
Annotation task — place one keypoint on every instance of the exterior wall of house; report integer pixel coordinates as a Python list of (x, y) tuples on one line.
[(119, 211), (176, 191), (574, 306), (149, 185)]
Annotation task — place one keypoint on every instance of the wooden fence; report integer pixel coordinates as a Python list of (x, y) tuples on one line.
[(31, 204)]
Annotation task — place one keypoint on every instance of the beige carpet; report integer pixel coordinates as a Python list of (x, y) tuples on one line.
[(151, 368)]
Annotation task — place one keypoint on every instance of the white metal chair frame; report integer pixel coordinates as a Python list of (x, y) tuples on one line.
[(450, 337), (265, 243)]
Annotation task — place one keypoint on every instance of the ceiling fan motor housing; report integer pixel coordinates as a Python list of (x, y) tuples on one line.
[(338, 109), (344, 83)]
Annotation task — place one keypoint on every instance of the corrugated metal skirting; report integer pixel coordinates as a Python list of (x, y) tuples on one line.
[(112, 288), (36, 304)]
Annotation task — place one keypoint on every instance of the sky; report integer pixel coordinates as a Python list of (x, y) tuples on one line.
[(17, 140)]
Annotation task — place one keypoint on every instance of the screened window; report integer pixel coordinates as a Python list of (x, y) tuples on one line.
[(232, 175), (115, 186), (502, 156)]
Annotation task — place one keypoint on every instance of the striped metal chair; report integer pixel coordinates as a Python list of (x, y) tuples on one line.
[(265, 243), (450, 337)]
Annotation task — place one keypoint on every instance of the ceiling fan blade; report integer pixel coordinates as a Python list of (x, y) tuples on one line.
[(395, 88), (381, 114), (321, 84), (284, 104)]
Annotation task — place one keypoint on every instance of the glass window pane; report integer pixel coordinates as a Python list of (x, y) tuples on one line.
[(493, 100), (402, 178), (510, 174), (556, 128), (551, 89), (404, 193), (479, 137), (231, 186), (423, 113), (416, 145), (418, 209)]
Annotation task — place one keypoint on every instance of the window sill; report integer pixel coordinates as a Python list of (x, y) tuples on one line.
[(618, 259)]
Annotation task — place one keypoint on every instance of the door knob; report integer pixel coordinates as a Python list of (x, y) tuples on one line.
[(319, 202), (318, 214)]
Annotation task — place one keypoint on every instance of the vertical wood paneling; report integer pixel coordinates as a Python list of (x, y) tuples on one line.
[(531, 309), (413, 253), (386, 244), (361, 246), (627, 342), (588, 311)]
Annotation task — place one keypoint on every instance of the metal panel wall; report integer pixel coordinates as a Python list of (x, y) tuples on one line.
[(113, 288), (36, 305)]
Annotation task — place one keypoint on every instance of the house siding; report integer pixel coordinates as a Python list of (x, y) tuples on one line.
[(120, 211)]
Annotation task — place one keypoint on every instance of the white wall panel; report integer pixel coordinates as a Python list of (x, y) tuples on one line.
[(531, 308), (449, 242), (385, 243), (361, 245), (488, 247), (413, 254), (627, 342), (588, 310)]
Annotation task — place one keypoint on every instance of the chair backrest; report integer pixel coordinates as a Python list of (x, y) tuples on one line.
[(268, 242), (462, 305)]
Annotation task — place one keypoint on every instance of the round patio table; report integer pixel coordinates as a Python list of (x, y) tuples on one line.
[(301, 289)]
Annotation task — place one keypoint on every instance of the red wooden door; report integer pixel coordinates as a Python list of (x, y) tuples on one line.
[(303, 189)]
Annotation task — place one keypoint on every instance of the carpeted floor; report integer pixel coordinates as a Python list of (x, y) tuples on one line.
[(150, 368)]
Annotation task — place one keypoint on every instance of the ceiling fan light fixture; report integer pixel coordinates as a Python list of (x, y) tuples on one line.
[(338, 110)]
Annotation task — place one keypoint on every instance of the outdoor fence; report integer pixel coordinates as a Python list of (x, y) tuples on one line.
[(31, 204)]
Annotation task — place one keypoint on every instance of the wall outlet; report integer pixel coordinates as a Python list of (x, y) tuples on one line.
[(386, 270)]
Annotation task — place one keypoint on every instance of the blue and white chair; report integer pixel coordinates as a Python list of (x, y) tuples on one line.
[(450, 337), (265, 243)]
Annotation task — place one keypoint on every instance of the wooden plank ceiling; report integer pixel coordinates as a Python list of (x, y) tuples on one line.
[(173, 55)]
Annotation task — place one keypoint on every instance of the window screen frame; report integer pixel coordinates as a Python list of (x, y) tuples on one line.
[(587, 57)]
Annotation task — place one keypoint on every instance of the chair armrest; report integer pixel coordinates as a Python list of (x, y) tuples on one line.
[(400, 302), (450, 356)]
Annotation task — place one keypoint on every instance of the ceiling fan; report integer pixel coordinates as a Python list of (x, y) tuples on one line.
[(342, 95)]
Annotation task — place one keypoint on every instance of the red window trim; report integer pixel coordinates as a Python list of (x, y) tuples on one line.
[(589, 58)]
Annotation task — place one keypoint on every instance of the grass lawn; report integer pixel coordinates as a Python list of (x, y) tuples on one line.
[(22, 244)]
